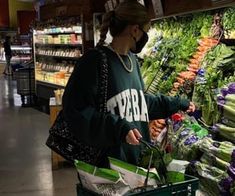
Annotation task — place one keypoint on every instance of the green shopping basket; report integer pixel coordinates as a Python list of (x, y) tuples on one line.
[(185, 188)]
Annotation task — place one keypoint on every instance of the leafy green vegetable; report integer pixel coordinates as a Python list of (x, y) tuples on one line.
[(179, 42), (229, 20)]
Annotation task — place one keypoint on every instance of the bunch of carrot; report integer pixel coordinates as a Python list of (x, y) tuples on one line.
[(205, 45), (156, 127)]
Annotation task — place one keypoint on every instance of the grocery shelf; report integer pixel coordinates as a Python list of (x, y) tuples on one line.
[(49, 84), (61, 45), (58, 57), (59, 33), (21, 48)]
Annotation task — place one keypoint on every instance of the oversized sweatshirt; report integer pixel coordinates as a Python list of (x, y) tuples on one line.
[(128, 107)]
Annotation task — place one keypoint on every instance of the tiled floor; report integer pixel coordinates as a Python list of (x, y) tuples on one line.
[(25, 161)]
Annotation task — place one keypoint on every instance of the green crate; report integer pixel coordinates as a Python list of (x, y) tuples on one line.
[(185, 188)]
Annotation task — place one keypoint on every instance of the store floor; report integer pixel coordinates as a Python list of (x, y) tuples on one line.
[(25, 161)]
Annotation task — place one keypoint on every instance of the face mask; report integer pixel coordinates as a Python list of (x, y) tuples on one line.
[(141, 43)]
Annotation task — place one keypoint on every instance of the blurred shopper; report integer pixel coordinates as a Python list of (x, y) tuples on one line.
[(8, 55)]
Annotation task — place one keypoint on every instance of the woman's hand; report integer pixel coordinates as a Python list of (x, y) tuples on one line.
[(133, 137), (191, 107)]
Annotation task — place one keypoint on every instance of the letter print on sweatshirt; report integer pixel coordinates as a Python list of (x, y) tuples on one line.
[(129, 104)]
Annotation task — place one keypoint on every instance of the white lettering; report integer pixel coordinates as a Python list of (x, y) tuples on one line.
[(130, 104), (111, 104), (135, 103), (144, 110), (129, 116), (121, 101)]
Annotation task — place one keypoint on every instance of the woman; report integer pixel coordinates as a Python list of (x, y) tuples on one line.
[(128, 108)]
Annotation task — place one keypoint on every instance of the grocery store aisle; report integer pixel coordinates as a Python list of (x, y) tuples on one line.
[(25, 162)]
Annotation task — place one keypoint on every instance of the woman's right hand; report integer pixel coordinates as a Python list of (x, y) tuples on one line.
[(133, 137)]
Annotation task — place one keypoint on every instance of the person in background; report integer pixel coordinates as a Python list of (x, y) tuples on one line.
[(129, 109), (1, 49), (8, 55)]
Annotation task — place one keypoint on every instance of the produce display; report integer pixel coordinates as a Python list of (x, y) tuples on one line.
[(229, 23), (172, 43), (212, 161), (194, 57), (218, 68), (226, 104), (185, 79)]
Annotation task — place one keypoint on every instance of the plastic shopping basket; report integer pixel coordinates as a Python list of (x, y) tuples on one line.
[(185, 188)]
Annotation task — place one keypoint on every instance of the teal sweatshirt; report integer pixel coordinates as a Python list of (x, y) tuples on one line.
[(128, 107)]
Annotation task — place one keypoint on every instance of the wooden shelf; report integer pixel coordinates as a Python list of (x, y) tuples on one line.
[(214, 7)]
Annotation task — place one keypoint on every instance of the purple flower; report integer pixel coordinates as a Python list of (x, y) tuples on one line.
[(184, 133), (233, 156), (231, 88), (215, 129), (231, 172), (191, 140), (226, 183), (224, 91), (201, 72)]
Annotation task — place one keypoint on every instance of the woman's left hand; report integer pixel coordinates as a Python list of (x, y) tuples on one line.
[(191, 107)]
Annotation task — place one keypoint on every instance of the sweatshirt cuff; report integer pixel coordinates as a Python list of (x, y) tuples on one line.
[(184, 104), (127, 126)]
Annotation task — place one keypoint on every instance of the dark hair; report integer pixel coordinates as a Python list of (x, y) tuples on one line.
[(127, 13)]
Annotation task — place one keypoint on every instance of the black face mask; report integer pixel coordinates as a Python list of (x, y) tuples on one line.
[(139, 45)]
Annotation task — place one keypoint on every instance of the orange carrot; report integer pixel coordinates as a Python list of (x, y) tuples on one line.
[(194, 61), (194, 66), (180, 80), (161, 121), (192, 69), (176, 85)]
